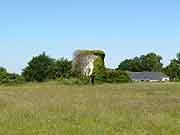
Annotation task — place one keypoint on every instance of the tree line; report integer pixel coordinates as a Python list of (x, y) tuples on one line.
[(152, 62), (40, 68), (43, 68)]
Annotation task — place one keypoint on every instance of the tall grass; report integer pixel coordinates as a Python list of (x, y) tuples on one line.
[(109, 109)]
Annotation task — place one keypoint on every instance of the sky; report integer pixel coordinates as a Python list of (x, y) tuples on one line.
[(122, 28)]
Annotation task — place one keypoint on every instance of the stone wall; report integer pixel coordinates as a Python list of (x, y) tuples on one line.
[(83, 62)]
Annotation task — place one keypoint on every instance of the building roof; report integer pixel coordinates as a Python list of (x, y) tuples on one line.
[(147, 75)]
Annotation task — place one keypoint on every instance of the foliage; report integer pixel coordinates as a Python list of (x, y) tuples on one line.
[(98, 66), (173, 69), (9, 78), (81, 58), (89, 52), (40, 68), (63, 68), (117, 76), (101, 77), (149, 62), (101, 74), (43, 67), (3, 73), (12, 79), (112, 76), (131, 65)]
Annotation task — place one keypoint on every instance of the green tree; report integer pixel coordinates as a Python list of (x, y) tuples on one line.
[(173, 69), (40, 68), (63, 68), (3, 73), (126, 65), (149, 62)]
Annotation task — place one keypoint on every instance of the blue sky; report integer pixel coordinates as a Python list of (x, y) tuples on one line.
[(122, 28)]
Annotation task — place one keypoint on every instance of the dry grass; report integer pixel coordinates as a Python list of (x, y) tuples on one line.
[(109, 109)]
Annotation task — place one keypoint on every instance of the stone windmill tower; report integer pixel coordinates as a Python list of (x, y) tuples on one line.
[(86, 61)]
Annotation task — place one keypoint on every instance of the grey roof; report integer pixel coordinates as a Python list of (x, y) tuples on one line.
[(147, 75)]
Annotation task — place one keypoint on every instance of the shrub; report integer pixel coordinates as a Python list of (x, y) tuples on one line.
[(112, 76), (12, 79), (117, 76)]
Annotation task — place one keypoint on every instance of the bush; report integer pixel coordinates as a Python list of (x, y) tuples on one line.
[(101, 77), (12, 79), (112, 76)]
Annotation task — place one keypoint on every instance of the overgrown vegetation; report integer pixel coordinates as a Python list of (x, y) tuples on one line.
[(9, 78), (81, 60), (108, 109), (89, 52), (44, 68), (100, 73), (112, 76)]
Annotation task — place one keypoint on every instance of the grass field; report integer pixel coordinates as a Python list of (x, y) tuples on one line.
[(108, 109)]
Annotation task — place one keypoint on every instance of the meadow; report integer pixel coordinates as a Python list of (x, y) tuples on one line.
[(108, 109)]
